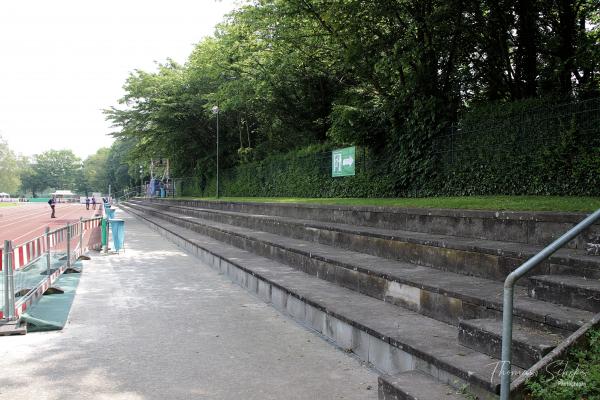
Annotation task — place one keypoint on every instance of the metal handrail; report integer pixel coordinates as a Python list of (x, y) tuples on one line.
[(509, 283), (127, 195)]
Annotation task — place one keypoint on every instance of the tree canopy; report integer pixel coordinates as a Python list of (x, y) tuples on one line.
[(9, 167), (61, 169), (390, 75)]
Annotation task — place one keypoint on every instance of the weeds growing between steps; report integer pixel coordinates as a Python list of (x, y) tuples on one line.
[(576, 377)]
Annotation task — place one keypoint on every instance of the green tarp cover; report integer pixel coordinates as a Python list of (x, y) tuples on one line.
[(51, 311)]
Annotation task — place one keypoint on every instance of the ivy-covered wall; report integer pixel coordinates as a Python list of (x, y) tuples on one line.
[(523, 148)]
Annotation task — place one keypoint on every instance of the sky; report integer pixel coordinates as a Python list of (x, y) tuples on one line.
[(63, 61)]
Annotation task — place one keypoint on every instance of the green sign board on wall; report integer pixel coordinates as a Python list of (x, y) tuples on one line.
[(343, 161)]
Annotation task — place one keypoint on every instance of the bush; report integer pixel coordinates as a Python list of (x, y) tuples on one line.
[(532, 147), (578, 377)]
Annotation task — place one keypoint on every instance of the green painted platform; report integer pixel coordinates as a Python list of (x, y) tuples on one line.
[(51, 312)]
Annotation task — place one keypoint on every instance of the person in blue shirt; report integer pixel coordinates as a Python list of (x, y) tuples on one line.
[(52, 203), (87, 203)]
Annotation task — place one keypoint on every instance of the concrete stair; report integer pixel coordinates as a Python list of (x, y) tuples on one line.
[(529, 345), (393, 287), (535, 228), (415, 385), (572, 291), (440, 294), (491, 259)]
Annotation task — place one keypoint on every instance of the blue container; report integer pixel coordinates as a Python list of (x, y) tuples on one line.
[(162, 192), (110, 212), (118, 233)]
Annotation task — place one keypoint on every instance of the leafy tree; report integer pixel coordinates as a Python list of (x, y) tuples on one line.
[(9, 167), (122, 171), (391, 75), (95, 171), (53, 169)]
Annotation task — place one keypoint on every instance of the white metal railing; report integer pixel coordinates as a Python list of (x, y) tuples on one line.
[(28, 270)]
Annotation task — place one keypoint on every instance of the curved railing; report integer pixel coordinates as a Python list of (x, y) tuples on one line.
[(509, 284)]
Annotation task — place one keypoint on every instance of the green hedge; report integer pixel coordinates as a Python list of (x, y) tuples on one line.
[(531, 147), (304, 173)]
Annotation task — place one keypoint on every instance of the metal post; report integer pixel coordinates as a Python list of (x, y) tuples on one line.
[(215, 110), (104, 235), (141, 181), (218, 154), (68, 246), (47, 235), (81, 235), (11, 283), (6, 266), (505, 366)]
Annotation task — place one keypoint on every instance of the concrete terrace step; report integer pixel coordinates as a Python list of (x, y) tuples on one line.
[(442, 295), (536, 228), (529, 345), (490, 259), (392, 338), (415, 385), (572, 291)]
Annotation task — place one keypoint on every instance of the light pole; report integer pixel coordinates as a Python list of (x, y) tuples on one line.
[(141, 181), (215, 110)]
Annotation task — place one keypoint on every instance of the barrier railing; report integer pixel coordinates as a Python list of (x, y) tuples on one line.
[(28, 270), (509, 284), (127, 195)]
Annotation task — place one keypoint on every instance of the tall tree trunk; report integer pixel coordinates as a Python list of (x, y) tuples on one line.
[(498, 72), (526, 57), (566, 50)]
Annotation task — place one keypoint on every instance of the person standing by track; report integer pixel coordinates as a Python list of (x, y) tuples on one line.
[(52, 203), (87, 203), (93, 203)]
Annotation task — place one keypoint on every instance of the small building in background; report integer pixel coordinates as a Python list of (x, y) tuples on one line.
[(64, 196)]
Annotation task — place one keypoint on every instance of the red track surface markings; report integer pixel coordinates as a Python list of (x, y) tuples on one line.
[(26, 221)]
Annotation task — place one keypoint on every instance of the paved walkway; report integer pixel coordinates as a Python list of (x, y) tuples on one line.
[(155, 323)]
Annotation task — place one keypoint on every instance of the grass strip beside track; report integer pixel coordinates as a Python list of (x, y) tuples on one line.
[(508, 203), (7, 204)]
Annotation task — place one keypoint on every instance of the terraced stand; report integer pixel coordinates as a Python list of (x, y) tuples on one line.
[(416, 293)]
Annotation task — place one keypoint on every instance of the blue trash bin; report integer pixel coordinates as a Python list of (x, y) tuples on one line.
[(162, 192), (110, 212), (118, 233)]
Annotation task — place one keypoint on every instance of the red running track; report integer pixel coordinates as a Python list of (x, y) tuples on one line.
[(27, 221)]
